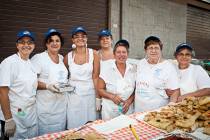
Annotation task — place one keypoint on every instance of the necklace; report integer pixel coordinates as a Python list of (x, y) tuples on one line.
[(54, 58), (79, 58)]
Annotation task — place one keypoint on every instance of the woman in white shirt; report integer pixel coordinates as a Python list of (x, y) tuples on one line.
[(117, 83), (105, 40), (106, 55), (83, 65), (51, 103), (18, 84), (157, 80), (193, 79)]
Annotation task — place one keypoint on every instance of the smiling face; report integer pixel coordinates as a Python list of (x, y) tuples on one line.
[(105, 41), (184, 58), (153, 52), (121, 54), (79, 39), (25, 46), (53, 44)]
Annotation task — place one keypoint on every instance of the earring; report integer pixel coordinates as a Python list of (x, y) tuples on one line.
[(73, 46)]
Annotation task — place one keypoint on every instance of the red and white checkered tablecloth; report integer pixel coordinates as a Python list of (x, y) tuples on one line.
[(144, 131)]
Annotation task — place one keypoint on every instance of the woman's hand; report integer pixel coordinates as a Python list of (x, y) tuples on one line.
[(126, 105), (173, 94), (116, 99)]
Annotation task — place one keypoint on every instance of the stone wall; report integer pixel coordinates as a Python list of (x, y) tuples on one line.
[(142, 18)]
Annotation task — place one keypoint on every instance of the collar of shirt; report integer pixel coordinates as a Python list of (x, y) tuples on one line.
[(128, 66)]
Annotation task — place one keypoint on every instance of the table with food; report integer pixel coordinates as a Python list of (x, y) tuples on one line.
[(187, 120)]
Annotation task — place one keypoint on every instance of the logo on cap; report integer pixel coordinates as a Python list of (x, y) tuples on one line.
[(24, 33), (50, 31), (104, 32), (78, 29)]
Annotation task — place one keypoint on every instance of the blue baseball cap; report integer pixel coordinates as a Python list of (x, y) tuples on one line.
[(183, 46), (78, 29), (104, 32), (51, 31), (25, 33)]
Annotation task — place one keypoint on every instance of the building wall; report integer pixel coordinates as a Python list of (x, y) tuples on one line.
[(142, 18), (198, 31), (114, 18), (39, 15)]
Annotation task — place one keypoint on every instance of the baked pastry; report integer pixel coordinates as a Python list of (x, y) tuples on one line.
[(187, 115)]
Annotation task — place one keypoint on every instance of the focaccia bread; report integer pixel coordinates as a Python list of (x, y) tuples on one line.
[(187, 115), (189, 122), (160, 123), (204, 100)]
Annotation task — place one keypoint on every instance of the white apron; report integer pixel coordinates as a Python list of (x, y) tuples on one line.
[(81, 105), (187, 84), (150, 89), (111, 110), (123, 86), (23, 106), (51, 107)]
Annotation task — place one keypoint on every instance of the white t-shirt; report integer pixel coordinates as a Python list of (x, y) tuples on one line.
[(151, 83), (122, 86), (112, 78), (21, 78), (193, 78), (43, 64)]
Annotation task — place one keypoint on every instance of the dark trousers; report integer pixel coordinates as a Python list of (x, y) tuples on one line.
[(3, 137)]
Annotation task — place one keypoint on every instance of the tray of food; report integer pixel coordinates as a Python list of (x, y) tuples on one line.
[(187, 116), (65, 87)]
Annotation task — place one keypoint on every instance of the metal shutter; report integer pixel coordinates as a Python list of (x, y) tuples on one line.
[(39, 15), (198, 31)]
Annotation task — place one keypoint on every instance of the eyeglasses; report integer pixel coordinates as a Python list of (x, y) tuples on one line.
[(186, 54), (153, 48), (30, 42)]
